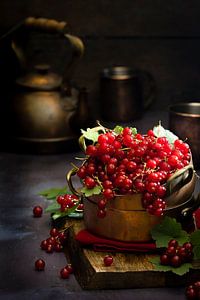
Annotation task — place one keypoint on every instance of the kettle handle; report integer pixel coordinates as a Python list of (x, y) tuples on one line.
[(53, 26), (49, 26)]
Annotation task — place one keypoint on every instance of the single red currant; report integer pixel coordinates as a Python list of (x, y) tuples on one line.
[(39, 264), (37, 211), (108, 260), (54, 232), (69, 268), (64, 273)]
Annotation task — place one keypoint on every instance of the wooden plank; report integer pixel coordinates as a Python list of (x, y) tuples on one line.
[(129, 270)]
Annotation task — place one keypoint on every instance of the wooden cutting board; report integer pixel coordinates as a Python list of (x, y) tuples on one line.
[(129, 270)]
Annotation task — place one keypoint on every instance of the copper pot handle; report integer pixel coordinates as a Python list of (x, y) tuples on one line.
[(69, 175), (180, 178)]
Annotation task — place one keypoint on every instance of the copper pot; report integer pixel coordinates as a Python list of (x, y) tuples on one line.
[(126, 219)]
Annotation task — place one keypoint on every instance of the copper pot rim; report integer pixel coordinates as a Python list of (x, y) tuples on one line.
[(188, 202), (175, 109)]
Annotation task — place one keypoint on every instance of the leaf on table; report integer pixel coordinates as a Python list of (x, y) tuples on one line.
[(60, 214), (52, 193), (52, 207), (89, 192), (184, 268), (168, 229)]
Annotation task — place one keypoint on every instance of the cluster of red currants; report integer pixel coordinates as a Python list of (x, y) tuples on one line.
[(193, 291), (54, 242), (175, 255), (67, 201), (129, 163)]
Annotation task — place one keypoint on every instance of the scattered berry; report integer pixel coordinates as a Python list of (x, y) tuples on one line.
[(69, 268), (37, 211), (108, 260), (39, 264), (64, 273)]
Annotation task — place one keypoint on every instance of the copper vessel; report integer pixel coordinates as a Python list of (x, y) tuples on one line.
[(126, 219), (46, 107), (184, 121), (125, 93)]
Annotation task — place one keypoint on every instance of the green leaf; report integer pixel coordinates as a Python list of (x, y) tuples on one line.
[(52, 193), (89, 192), (168, 229), (52, 208), (134, 130), (196, 251), (195, 240), (184, 268), (160, 131), (76, 215), (118, 129), (60, 214), (90, 134)]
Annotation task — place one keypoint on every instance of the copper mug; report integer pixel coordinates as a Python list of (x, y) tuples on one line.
[(184, 121), (125, 93)]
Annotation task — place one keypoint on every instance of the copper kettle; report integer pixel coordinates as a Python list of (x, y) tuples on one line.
[(45, 106)]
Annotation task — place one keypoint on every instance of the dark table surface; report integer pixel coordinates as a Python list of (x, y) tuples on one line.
[(22, 177)]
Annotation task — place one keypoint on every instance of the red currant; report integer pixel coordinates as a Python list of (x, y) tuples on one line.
[(108, 260), (39, 264), (64, 273), (37, 211)]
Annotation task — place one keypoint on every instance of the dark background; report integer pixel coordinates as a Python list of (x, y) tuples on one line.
[(161, 37)]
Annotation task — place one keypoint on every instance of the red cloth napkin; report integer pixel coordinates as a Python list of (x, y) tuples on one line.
[(102, 244), (98, 243)]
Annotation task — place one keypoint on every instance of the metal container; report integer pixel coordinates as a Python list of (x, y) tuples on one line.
[(184, 121), (125, 93), (126, 219), (45, 108)]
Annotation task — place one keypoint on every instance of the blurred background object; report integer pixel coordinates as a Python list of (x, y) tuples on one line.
[(44, 103), (159, 37), (122, 93), (184, 121)]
